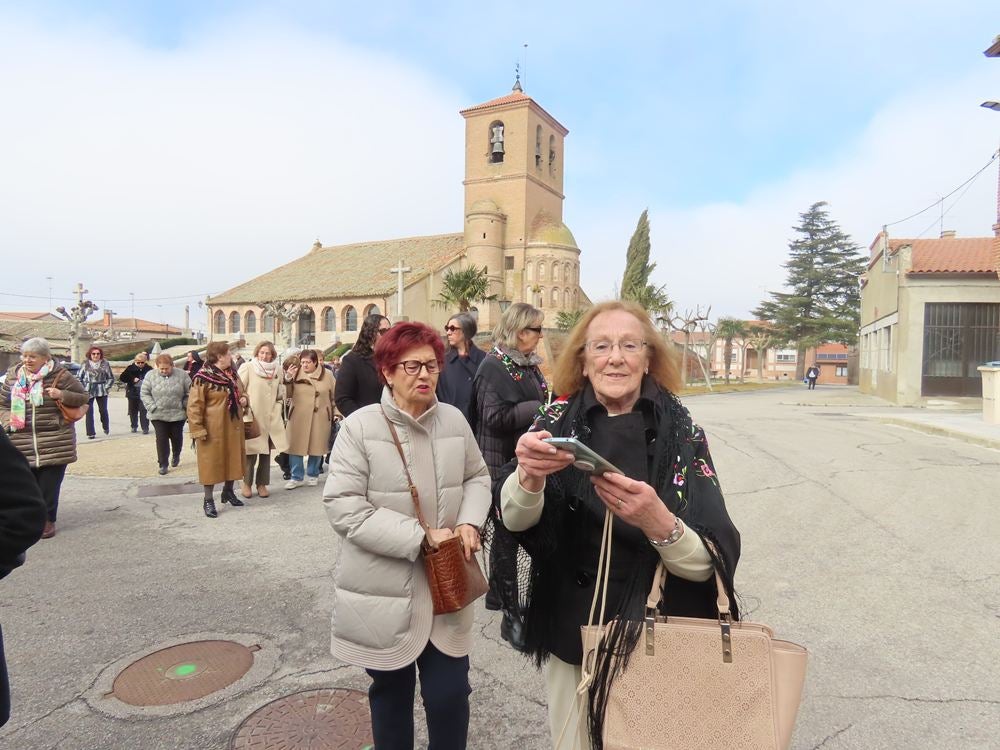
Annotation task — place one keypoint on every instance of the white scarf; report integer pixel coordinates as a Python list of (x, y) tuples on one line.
[(265, 369)]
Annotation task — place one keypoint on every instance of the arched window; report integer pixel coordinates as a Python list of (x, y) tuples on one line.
[(250, 322), (220, 321), (538, 147), (528, 267), (541, 271), (307, 327), (566, 273), (496, 136), (350, 316), (372, 310), (234, 322), (267, 324), (529, 295), (540, 298), (329, 319), (555, 296), (566, 299)]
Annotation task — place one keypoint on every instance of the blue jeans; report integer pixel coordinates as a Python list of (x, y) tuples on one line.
[(444, 686), (311, 469)]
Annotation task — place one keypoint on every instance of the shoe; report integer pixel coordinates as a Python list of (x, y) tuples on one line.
[(286, 475), (210, 510), (312, 481), (49, 531), (512, 631), (107, 432), (246, 491), (163, 470), (145, 432), (175, 461), (291, 484), (91, 437), (135, 429), (493, 601), (228, 496), (263, 491)]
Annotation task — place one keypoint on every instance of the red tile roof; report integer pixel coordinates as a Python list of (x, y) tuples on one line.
[(511, 98), (966, 255)]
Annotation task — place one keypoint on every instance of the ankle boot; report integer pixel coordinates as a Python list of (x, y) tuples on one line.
[(228, 496), (210, 510), (512, 630)]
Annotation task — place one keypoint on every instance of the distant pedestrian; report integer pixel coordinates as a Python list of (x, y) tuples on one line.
[(97, 380), (215, 417), (238, 362), (30, 415), (165, 395), (310, 419), (193, 363), (357, 381), (290, 367), (22, 519), (461, 360), (812, 375), (264, 385), (132, 378)]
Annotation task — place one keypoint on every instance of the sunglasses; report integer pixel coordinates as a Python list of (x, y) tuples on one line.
[(452, 329), (536, 329)]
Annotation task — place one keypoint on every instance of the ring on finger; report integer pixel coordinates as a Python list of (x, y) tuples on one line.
[(619, 501)]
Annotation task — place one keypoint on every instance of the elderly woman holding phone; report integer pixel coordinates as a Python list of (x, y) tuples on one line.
[(619, 378), (383, 614)]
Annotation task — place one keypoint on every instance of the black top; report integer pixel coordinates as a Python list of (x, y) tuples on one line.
[(129, 374), (357, 383), (455, 384), (22, 509)]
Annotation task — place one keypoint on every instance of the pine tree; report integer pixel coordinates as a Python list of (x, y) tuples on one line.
[(823, 300)]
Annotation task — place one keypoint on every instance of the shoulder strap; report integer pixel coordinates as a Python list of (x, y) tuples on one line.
[(413, 488)]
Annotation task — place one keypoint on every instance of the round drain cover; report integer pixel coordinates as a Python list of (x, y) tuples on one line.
[(329, 719), (182, 673)]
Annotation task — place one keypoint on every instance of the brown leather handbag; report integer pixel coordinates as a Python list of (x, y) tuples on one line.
[(722, 683), (70, 413), (454, 581), (251, 427)]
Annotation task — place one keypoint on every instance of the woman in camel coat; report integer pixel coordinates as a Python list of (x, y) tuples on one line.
[(215, 422), (263, 382), (311, 418)]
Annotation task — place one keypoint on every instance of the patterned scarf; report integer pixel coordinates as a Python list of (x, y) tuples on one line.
[(223, 379), (27, 387)]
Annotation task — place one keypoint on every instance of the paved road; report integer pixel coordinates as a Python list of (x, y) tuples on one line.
[(873, 545)]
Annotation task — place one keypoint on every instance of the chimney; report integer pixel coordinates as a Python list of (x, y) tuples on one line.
[(947, 234)]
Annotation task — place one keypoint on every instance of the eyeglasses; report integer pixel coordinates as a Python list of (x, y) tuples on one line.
[(627, 347), (413, 366), (536, 329), (452, 329)]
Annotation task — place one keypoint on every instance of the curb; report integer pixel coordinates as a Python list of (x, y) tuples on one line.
[(930, 429)]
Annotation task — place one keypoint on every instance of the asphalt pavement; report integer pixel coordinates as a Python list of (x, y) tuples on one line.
[(870, 543)]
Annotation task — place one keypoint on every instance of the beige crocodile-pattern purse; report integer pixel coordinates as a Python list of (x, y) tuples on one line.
[(721, 683)]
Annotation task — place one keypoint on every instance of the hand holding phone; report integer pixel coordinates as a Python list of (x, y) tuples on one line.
[(585, 459)]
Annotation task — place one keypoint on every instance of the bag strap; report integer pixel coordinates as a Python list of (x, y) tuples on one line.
[(409, 480)]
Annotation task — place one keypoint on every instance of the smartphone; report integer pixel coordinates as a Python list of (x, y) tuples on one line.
[(585, 459)]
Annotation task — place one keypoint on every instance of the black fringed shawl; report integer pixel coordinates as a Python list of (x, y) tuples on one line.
[(680, 468), (222, 380)]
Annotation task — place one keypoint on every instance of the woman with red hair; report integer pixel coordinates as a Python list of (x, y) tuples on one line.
[(97, 379), (383, 614)]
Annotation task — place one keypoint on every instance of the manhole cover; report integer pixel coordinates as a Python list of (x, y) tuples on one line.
[(161, 490), (182, 673), (329, 719)]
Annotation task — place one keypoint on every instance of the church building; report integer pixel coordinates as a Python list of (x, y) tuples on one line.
[(513, 226)]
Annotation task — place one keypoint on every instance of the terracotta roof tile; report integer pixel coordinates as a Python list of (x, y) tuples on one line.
[(358, 270), (137, 324), (963, 255), (511, 98)]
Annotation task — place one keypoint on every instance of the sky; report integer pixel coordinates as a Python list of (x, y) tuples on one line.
[(164, 151)]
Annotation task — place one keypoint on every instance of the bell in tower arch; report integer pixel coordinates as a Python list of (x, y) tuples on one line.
[(496, 142)]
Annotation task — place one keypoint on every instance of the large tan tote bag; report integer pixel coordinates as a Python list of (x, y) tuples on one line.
[(697, 684)]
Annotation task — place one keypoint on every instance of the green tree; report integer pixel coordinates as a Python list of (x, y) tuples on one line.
[(464, 288), (635, 284), (728, 329), (566, 319), (823, 299)]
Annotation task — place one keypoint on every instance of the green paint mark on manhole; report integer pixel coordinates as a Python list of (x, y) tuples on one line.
[(183, 670)]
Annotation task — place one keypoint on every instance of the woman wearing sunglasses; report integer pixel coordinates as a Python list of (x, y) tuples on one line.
[(508, 391), (461, 360)]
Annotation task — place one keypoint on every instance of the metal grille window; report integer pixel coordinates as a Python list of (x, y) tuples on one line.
[(958, 338)]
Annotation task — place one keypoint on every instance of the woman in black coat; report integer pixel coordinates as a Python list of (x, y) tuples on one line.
[(132, 378), (507, 393), (461, 361), (357, 381)]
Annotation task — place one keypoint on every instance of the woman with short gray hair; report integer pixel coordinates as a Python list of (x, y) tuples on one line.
[(30, 414), (461, 361)]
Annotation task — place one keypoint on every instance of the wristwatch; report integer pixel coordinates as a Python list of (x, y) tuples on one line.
[(676, 534)]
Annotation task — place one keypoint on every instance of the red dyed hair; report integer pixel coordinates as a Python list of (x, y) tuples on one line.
[(93, 349), (393, 345)]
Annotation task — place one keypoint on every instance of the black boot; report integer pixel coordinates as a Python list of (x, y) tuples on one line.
[(163, 469), (175, 461), (210, 510), (228, 496), (512, 630)]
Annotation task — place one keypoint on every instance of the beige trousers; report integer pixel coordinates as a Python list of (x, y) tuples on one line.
[(561, 680)]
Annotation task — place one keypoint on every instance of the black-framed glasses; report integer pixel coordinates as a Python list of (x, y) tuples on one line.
[(452, 329), (413, 366), (536, 329)]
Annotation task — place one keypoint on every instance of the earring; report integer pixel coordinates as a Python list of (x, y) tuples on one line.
[(647, 371)]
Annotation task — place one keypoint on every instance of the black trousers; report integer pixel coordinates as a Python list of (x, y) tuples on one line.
[(49, 480), (4, 686), (169, 437), (102, 402), (137, 413), (444, 686)]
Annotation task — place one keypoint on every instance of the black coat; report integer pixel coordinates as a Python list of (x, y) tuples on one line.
[(129, 374), (22, 509), (506, 398), (357, 383), (455, 383)]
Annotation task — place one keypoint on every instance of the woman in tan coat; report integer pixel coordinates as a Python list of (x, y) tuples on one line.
[(263, 382), (311, 418), (215, 421)]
